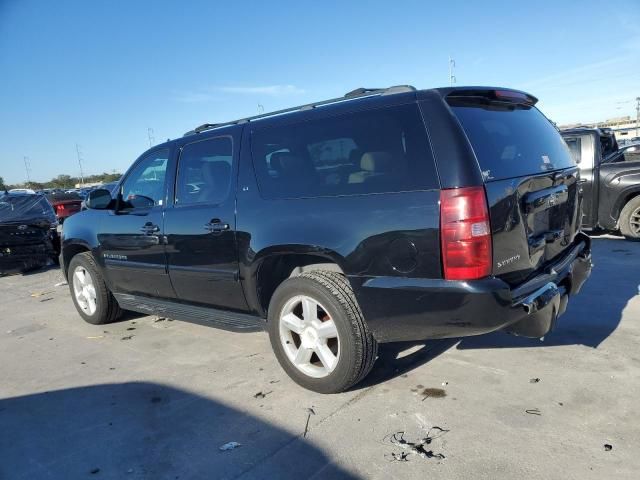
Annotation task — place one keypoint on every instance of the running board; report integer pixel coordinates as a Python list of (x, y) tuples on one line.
[(225, 320)]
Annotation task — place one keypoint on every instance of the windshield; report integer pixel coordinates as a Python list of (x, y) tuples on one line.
[(20, 208)]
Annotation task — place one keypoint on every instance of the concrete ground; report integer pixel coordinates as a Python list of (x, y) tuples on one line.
[(153, 398)]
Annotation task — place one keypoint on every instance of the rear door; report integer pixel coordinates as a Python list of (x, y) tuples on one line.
[(530, 179), (200, 225)]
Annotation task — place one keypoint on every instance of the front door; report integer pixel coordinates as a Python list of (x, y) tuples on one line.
[(131, 238), (200, 225)]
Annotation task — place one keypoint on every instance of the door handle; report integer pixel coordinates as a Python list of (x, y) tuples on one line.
[(216, 226), (149, 228)]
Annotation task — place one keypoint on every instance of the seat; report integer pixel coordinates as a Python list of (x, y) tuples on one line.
[(294, 172), (217, 177), (372, 164)]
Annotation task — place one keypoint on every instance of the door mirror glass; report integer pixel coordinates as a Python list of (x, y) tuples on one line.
[(139, 201), (99, 199)]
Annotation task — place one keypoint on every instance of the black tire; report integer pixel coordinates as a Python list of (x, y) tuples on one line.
[(107, 308), (358, 348), (630, 213)]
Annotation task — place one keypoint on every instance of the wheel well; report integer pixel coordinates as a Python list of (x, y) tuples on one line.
[(626, 200), (276, 269), (70, 252)]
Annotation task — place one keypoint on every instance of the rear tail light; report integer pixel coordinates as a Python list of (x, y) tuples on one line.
[(465, 233)]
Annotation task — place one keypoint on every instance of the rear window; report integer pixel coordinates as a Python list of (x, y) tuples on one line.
[(512, 140), (374, 151)]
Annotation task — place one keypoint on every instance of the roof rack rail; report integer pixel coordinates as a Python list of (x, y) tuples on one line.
[(352, 95)]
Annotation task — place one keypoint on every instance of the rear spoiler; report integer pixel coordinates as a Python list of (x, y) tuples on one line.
[(507, 95)]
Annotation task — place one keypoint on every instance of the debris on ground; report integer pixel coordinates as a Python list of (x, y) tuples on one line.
[(262, 394), (444, 384), (46, 299), (128, 337), (415, 448), (60, 284), (534, 380), (274, 381), (131, 328), (95, 337), (39, 294), (310, 411), (159, 319), (253, 355), (433, 393), (229, 446), (533, 411), (608, 447)]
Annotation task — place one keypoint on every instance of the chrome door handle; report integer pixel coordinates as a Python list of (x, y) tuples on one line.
[(216, 226), (149, 228)]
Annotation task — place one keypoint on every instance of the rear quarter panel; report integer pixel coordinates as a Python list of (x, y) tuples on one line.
[(356, 232)]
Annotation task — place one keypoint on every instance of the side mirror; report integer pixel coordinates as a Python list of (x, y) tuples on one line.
[(99, 199)]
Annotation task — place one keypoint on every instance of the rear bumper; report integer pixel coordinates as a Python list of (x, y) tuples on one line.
[(24, 257), (406, 309)]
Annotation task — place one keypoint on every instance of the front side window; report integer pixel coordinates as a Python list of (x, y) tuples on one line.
[(144, 186), (204, 172), (374, 151)]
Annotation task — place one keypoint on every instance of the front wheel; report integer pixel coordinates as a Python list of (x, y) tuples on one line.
[(630, 219), (93, 300), (318, 333)]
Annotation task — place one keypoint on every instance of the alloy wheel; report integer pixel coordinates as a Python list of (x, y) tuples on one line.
[(309, 336)]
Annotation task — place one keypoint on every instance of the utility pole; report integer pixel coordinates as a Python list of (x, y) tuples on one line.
[(152, 139), (452, 66), (27, 168), (637, 115), (80, 163)]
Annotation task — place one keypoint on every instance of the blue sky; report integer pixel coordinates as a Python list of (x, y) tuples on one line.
[(101, 73)]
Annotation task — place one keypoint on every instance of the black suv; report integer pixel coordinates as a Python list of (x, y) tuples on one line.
[(385, 215)]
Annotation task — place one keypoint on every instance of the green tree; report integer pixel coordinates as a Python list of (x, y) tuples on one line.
[(2, 186)]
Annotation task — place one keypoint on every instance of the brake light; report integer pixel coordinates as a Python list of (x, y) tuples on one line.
[(465, 233)]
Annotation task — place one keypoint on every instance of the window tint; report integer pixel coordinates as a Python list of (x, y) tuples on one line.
[(204, 172), (575, 147), (376, 151), (145, 183), (511, 141), (631, 154)]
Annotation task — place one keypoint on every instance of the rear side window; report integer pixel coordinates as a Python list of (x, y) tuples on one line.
[(204, 172), (511, 140), (375, 151)]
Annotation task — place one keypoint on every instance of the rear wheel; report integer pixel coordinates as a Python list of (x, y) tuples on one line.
[(318, 333), (630, 219), (93, 300)]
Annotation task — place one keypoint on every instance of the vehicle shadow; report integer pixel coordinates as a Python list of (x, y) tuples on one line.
[(595, 313), (147, 430), (393, 359)]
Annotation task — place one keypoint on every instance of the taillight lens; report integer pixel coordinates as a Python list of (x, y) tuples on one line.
[(465, 233)]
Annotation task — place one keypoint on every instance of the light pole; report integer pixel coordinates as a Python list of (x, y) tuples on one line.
[(452, 66), (637, 115)]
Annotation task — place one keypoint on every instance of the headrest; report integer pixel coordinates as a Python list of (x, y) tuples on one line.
[(376, 162), (216, 171), (286, 161)]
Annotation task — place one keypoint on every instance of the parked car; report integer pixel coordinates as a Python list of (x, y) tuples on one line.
[(611, 182), (22, 190), (65, 204), (385, 215), (28, 234)]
